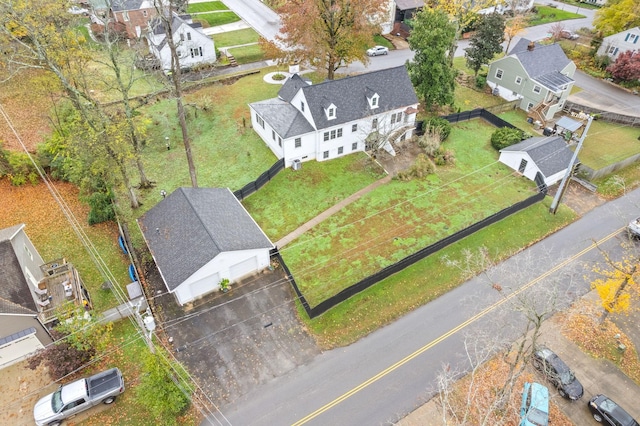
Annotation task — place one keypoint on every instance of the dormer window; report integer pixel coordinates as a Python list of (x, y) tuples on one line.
[(330, 111), (374, 100), (302, 106)]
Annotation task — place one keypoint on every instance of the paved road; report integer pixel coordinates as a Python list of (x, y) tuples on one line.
[(264, 20), (600, 94), (389, 373)]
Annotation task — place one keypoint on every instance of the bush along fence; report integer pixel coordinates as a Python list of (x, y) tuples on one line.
[(386, 272), (262, 180)]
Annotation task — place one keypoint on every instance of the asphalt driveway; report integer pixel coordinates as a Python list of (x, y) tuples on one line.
[(232, 342), (602, 95)]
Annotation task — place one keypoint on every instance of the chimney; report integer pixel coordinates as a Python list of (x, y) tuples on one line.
[(531, 46)]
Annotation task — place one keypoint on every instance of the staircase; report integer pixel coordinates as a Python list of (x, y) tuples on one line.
[(537, 113)]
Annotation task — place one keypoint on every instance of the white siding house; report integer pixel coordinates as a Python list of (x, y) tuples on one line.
[(615, 44), (335, 118), (194, 47), (199, 236), (547, 156)]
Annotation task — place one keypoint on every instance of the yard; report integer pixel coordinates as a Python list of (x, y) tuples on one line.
[(399, 218), (547, 14)]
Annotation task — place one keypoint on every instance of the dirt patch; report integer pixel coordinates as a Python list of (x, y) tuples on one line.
[(21, 388), (406, 153), (578, 198)]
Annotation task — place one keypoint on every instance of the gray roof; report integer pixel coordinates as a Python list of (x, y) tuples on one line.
[(349, 95), (569, 124), (543, 63), (192, 226), (15, 296), (283, 117), (177, 21), (551, 154), (119, 5)]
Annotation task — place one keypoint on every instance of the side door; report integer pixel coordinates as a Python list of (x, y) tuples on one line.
[(74, 407)]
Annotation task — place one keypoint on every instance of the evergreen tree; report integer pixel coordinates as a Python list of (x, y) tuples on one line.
[(486, 42)]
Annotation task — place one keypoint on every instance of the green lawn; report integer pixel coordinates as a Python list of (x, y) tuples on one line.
[(518, 118), (468, 99), (430, 278), (318, 186), (207, 6), (248, 54), (215, 19), (235, 38), (547, 14), (381, 41), (608, 143), (399, 218)]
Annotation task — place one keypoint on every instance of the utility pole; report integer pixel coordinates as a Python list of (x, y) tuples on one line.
[(565, 180)]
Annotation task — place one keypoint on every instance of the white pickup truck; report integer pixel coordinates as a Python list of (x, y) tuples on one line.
[(634, 227), (78, 396)]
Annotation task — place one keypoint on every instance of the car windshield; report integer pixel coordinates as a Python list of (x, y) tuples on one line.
[(567, 377), (56, 401), (537, 417)]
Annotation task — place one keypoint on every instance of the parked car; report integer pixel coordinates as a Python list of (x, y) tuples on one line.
[(378, 50), (534, 410), (634, 227), (558, 373), (72, 398), (606, 411), (569, 34)]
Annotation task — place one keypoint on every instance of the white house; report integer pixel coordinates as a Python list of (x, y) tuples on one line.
[(199, 236), (615, 44), (194, 47), (541, 159), (335, 118), (21, 331)]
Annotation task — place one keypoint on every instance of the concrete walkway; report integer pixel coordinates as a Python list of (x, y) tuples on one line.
[(331, 211)]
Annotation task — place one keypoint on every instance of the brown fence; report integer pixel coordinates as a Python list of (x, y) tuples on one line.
[(610, 117)]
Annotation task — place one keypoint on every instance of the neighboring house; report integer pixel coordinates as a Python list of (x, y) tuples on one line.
[(194, 47), (541, 159), (615, 44), (338, 117), (595, 2), (540, 76), (199, 236), (406, 9), (132, 17), (507, 5), (21, 331)]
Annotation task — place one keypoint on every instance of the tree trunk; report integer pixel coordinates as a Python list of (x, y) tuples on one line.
[(619, 292)]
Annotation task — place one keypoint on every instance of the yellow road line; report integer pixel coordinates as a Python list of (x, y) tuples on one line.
[(450, 332)]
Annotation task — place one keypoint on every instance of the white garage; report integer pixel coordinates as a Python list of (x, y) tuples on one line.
[(18, 346), (199, 236)]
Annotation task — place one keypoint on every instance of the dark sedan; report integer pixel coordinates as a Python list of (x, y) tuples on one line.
[(558, 373), (608, 412)]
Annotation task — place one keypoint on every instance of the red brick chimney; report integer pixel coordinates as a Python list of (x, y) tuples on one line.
[(531, 46)]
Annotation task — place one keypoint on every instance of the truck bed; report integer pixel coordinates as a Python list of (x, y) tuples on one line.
[(104, 382)]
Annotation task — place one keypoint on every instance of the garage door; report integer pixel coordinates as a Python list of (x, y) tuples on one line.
[(17, 346), (243, 268), (205, 285)]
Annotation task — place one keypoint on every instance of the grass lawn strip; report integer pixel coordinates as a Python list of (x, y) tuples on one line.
[(235, 38), (215, 19), (248, 54), (430, 278), (547, 14), (207, 6), (596, 151), (400, 218), (309, 192)]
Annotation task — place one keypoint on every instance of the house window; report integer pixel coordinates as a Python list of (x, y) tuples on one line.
[(298, 142), (536, 89), (396, 118), (273, 135), (529, 106), (523, 166), (374, 101), (325, 154), (331, 113), (333, 134), (188, 36), (354, 128), (181, 37), (125, 15), (518, 80), (302, 106), (374, 123), (144, 13), (340, 150), (326, 136), (200, 49), (499, 73), (279, 141), (196, 52), (340, 132), (354, 146), (260, 121)]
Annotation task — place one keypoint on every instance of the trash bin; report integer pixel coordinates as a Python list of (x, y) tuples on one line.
[(537, 125), (548, 131)]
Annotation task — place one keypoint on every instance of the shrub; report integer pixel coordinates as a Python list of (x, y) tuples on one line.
[(439, 123), (444, 157), (422, 167), (17, 166), (505, 137), (101, 208), (61, 358), (430, 141), (481, 81)]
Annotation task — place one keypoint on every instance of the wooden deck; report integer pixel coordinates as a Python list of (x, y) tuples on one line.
[(63, 285)]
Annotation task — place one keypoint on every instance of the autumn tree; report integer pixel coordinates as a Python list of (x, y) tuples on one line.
[(512, 28), (167, 9), (616, 16), (626, 67), (617, 284), (431, 70), (486, 42), (330, 34)]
